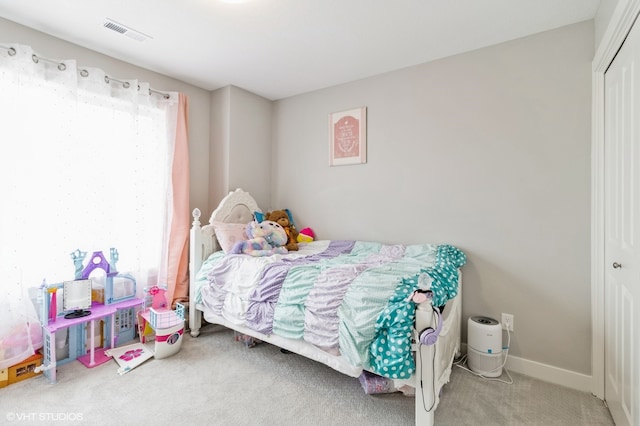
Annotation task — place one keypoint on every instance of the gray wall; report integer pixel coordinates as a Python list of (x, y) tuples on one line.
[(250, 156), (218, 166), (489, 151), (602, 19), (240, 155)]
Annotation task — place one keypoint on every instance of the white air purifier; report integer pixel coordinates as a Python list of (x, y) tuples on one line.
[(484, 346)]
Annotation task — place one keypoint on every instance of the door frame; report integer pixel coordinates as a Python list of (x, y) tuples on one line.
[(619, 26)]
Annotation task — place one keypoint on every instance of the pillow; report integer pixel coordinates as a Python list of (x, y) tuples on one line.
[(228, 234)]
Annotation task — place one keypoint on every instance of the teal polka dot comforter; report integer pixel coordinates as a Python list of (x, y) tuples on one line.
[(346, 297), (390, 351)]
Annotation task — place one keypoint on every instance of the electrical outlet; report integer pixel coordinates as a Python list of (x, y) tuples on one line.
[(507, 322)]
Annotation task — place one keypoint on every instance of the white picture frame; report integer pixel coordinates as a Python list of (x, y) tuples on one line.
[(348, 137)]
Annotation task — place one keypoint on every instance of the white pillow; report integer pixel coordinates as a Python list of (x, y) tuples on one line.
[(228, 234)]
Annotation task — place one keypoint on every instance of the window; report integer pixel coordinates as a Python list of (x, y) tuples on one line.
[(85, 163)]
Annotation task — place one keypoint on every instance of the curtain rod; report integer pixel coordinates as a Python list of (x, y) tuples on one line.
[(83, 72)]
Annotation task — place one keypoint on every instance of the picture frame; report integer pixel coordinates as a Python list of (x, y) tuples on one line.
[(348, 137)]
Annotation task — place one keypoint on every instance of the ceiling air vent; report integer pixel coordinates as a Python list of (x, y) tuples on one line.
[(123, 29)]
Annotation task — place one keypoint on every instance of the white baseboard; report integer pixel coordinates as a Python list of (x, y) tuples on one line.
[(547, 373)]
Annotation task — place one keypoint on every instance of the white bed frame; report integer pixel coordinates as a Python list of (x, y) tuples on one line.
[(433, 363)]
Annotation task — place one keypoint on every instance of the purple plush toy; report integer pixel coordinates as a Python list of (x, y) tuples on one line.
[(265, 238)]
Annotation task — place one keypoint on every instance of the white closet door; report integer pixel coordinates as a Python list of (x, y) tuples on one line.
[(622, 233)]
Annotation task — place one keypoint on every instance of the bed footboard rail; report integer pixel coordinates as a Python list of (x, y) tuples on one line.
[(434, 362), (425, 376)]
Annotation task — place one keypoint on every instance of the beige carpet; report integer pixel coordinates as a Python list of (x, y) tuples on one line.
[(215, 380)]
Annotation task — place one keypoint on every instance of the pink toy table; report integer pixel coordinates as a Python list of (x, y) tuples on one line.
[(93, 357)]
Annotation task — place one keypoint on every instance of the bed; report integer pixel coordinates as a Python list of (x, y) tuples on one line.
[(355, 306)]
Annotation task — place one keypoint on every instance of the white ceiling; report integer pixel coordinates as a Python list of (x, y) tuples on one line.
[(280, 48)]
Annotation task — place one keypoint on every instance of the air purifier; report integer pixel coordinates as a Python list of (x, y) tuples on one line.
[(484, 346)]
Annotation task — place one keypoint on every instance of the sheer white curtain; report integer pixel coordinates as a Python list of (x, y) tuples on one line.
[(85, 163)]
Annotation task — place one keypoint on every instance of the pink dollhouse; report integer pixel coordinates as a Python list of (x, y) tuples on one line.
[(114, 315)]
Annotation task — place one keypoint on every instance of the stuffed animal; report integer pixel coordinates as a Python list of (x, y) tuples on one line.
[(306, 235), (281, 217), (265, 238)]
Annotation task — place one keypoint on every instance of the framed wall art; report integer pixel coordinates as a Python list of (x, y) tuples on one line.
[(348, 137)]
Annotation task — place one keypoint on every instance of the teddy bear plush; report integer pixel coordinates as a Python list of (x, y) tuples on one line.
[(281, 217), (265, 238)]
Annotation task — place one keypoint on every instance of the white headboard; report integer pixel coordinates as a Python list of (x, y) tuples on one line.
[(237, 207)]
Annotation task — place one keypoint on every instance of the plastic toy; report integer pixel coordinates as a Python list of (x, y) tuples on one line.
[(284, 219), (265, 238), (160, 325), (306, 235), (97, 262), (115, 316), (54, 303)]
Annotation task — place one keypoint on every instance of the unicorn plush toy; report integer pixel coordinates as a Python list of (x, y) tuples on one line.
[(265, 238)]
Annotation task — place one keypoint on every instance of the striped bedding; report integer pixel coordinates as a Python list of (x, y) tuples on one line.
[(345, 297)]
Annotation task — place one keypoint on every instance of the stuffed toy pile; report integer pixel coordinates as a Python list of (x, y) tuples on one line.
[(282, 218), (265, 238)]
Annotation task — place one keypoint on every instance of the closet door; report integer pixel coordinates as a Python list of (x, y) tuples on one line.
[(622, 233)]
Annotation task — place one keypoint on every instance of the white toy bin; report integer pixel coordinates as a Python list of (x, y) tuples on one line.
[(167, 330)]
